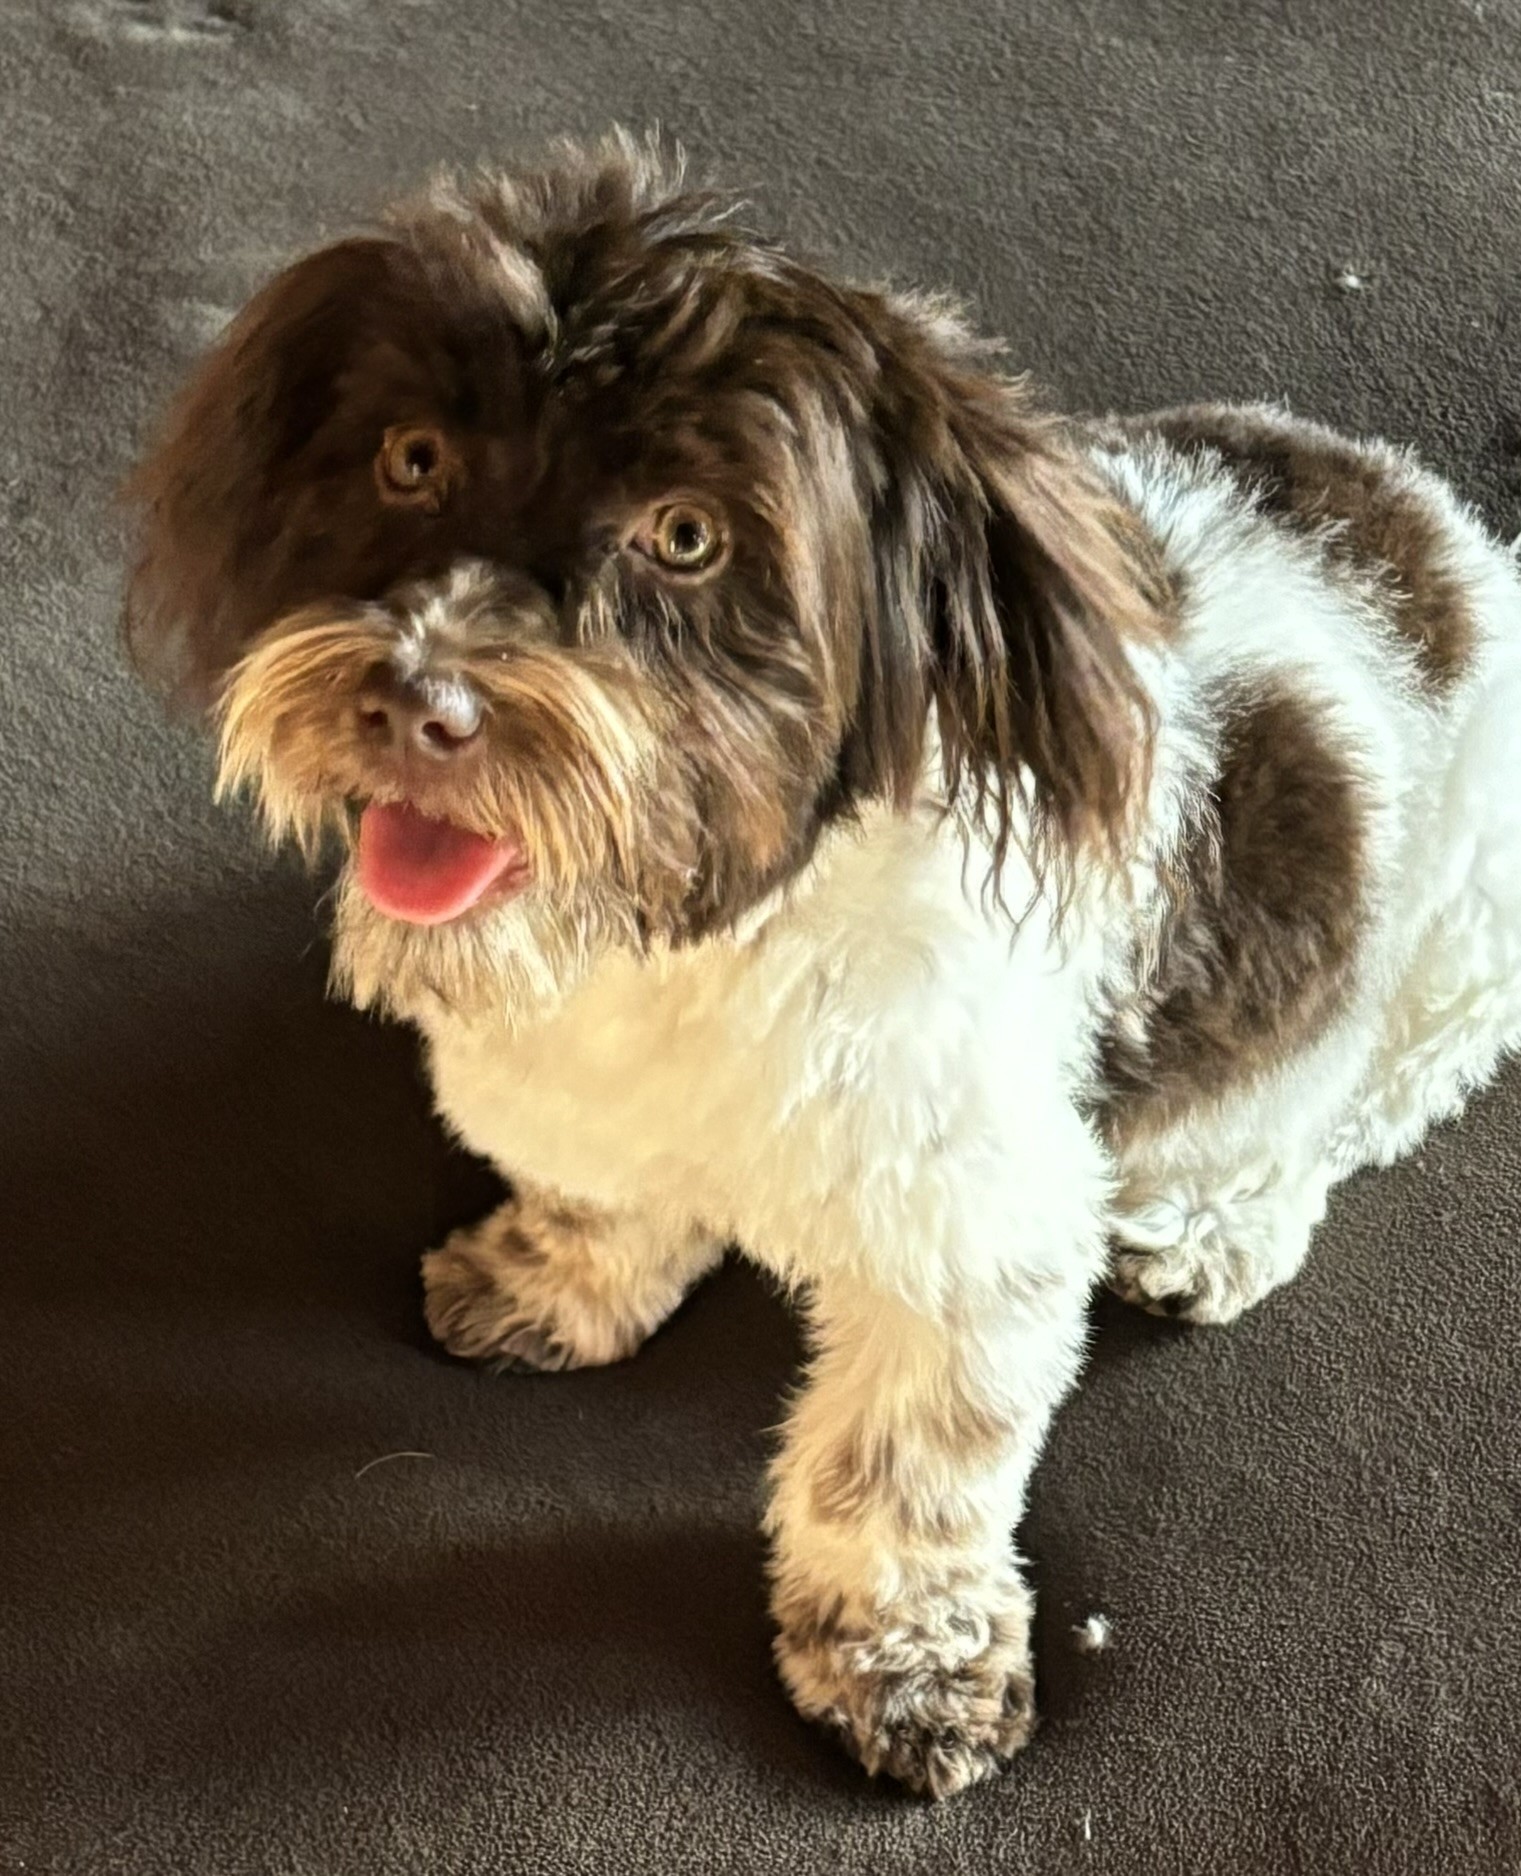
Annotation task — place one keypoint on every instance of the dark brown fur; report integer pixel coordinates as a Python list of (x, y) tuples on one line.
[(1387, 534), (909, 539), (1259, 940)]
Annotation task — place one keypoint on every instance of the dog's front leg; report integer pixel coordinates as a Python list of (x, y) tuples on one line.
[(904, 1620), (546, 1282)]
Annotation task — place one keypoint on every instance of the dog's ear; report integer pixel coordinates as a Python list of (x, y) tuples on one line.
[(1013, 588), (206, 496)]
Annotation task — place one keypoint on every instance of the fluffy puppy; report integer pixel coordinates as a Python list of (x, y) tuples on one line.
[(807, 798)]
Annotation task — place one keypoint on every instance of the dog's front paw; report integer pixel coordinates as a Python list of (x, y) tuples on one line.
[(475, 1310), (937, 1706), (544, 1284)]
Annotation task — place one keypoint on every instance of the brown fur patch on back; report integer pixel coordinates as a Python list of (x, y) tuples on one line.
[(1257, 948), (1384, 529)]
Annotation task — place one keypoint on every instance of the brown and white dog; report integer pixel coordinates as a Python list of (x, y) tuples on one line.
[(808, 798)]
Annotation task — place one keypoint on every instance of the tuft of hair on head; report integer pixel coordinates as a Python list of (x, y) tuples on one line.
[(544, 211)]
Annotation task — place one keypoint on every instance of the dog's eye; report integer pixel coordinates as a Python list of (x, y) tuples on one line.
[(683, 537), (414, 467)]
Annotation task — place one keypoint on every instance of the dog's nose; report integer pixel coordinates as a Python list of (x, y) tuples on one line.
[(437, 717)]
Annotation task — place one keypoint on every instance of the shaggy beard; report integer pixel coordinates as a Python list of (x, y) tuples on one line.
[(508, 964), (578, 781)]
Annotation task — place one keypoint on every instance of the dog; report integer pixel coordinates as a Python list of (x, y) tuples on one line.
[(809, 798)]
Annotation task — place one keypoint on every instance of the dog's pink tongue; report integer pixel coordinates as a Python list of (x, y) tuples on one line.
[(426, 871)]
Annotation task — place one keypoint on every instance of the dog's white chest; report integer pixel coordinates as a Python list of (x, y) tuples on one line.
[(870, 1017), (622, 1096)]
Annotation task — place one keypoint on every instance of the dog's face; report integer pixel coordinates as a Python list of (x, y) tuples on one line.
[(579, 559)]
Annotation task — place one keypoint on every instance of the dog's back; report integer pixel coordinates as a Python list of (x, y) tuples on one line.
[(1335, 953)]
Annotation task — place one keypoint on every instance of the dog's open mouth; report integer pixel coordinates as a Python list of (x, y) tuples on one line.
[(428, 871)]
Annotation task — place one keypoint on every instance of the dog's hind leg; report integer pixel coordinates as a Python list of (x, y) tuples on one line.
[(1208, 1254)]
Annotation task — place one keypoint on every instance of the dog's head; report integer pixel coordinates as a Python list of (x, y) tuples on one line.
[(578, 558)]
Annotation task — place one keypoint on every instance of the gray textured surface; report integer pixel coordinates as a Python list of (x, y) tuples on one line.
[(226, 1650)]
